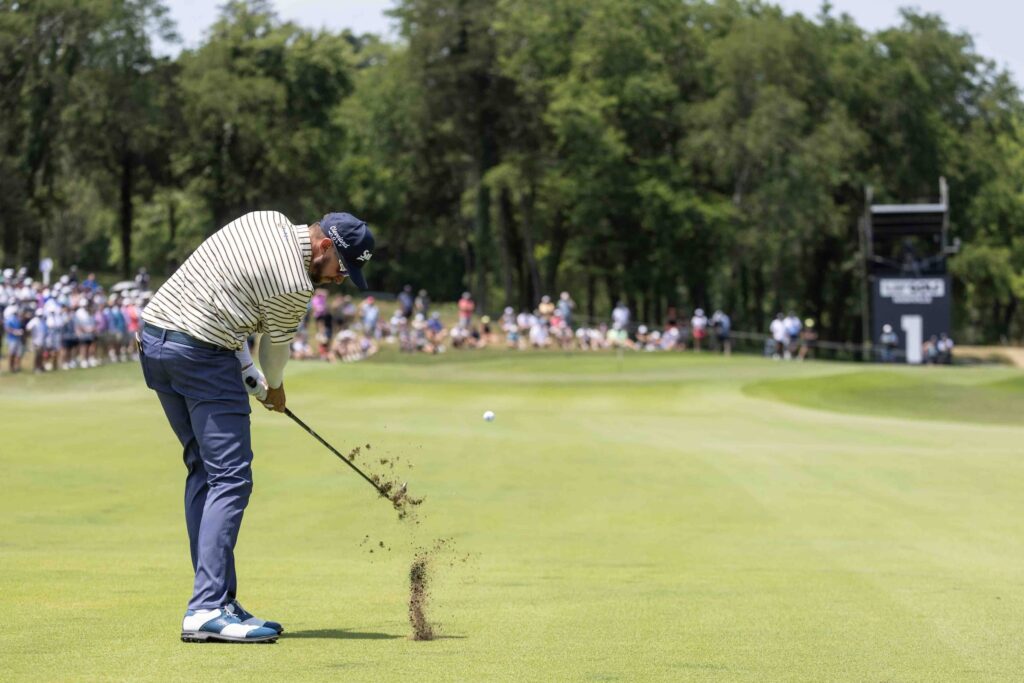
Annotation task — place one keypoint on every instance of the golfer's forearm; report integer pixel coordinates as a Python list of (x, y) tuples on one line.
[(244, 357), (272, 361)]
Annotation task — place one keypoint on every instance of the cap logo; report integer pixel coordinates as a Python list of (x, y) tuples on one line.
[(338, 238), (366, 256)]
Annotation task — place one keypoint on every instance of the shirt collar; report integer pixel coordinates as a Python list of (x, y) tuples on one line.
[(302, 235)]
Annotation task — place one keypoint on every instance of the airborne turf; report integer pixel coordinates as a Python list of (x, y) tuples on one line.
[(671, 518)]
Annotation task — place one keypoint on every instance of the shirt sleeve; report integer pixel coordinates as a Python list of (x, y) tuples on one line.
[(273, 358), (280, 316)]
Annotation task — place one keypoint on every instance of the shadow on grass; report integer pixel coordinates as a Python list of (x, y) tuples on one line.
[(344, 634), (339, 634)]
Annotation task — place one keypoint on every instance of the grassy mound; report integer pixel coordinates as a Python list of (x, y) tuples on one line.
[(917, 393), (642, 519)]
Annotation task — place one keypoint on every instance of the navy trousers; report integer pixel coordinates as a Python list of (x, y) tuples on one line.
[(203, 397)]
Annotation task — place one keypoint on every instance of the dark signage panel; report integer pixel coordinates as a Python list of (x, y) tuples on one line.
[(916, 307)]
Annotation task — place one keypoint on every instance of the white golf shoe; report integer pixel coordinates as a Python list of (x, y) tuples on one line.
[(246, 617), (219, 625)]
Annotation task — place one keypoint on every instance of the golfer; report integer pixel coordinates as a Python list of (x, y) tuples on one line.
[(253, 276)]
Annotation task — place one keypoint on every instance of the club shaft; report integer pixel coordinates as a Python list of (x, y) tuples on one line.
[(309, 430)]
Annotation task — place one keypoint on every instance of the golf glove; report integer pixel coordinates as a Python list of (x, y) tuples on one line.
[(255, 382)]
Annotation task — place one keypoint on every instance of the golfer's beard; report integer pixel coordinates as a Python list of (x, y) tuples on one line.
[(316, 270)]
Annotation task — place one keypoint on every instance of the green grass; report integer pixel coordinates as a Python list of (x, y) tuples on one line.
[(976, 396), (668, 518)]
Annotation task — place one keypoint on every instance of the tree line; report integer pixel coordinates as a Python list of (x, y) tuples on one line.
[(666, 153)]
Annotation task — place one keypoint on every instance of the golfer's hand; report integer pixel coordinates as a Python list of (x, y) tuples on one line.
[(275, 399), (254, 381), (256, 385)]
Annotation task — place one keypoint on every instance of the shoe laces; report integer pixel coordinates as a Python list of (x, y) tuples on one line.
[(230, 616), (235, 609)]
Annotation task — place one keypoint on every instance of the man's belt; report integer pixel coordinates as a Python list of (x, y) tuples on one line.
[(181, 338)]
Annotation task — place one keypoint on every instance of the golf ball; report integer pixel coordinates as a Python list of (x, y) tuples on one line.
[(489, 416)]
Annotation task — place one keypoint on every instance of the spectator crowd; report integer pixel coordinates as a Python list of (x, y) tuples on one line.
[(936, 350), (70, 324), (74, 323), (790, 338), (339, 329)]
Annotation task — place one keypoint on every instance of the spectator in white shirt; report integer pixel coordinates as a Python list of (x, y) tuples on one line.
[(698, 328), (793, 327), (780, 337), (36, 327), (620, 316), (85, 330), (945, 349)]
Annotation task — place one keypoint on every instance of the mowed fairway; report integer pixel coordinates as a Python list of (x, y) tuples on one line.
[(668, 518)]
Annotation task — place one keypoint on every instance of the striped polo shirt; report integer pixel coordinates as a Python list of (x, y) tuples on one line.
[(250, 276)]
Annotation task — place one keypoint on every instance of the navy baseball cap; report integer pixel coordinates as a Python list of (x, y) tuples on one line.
[(354, 242)]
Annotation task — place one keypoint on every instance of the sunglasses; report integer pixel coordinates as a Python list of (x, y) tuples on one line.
[(342, 270)]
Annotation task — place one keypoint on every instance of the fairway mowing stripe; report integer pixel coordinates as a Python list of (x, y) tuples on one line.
[(655, 524)]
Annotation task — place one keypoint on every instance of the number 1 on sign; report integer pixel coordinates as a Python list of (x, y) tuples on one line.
[(912, 326)]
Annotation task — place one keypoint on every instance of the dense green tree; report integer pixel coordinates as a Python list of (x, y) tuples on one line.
[(258, 98), (123, 110), (393, 174), (42, 45), (452, 50), (670, 154)]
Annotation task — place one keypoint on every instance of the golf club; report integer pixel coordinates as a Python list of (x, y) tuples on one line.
[(309, 430)]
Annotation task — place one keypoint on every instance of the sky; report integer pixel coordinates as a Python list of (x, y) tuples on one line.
[(994, 24)]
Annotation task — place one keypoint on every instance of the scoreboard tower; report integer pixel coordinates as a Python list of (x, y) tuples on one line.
[(905, 249)]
